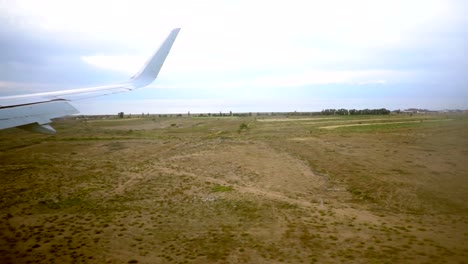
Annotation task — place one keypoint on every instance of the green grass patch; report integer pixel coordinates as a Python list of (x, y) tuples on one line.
[(221, 188)]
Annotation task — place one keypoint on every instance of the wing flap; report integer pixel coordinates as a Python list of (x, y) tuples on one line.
[(40, 113), (35, 127)]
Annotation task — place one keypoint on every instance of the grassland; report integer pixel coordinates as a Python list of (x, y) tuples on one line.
[(369, 189)]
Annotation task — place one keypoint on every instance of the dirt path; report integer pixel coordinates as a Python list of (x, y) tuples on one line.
[(133, 179), (384, 123)]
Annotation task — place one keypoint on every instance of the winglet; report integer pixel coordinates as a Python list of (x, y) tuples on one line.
[(150, 71)]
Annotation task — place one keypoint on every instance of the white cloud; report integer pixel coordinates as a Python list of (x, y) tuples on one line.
[(259, 43), (126, 64), (13, 88), (330, 77), (363, 22)]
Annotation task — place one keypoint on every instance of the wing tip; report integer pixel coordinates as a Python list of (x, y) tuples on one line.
[(149, 72)]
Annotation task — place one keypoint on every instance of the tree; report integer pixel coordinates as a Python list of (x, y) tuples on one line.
[(120, 114)]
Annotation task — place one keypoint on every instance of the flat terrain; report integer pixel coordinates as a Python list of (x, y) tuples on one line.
[(360, 189)]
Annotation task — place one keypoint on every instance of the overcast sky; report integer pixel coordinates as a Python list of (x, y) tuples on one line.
[(240, 55)]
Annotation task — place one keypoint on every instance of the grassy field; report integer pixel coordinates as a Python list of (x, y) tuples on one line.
[(361, 189)]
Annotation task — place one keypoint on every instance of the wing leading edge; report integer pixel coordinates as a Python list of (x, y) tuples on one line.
[(34, 112)]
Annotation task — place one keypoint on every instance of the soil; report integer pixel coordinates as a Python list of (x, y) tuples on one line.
[(210, 190)]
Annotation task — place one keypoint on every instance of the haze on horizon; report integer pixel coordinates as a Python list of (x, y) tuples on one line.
[(243, 56)]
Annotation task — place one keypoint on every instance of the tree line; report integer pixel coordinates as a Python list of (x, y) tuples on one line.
[(342, 111)]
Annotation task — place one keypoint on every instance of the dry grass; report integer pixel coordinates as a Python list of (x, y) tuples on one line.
[(196, 190)]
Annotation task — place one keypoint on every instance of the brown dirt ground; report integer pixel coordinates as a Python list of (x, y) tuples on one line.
[(201, 190)]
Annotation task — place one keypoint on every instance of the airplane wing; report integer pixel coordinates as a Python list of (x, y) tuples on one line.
[(33, 112)]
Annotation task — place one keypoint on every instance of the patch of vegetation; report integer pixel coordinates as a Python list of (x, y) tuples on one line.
[(221, 188), (243, 127)]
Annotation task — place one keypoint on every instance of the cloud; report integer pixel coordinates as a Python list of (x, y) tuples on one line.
[(14, 88), (43, 61), (126, 63), (331, 77), (243, 45)]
